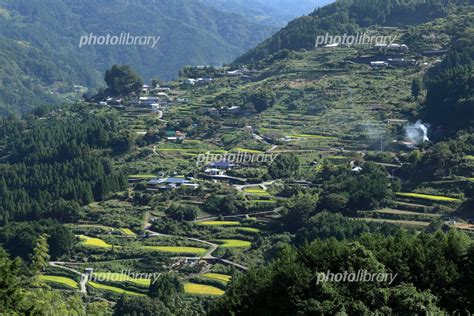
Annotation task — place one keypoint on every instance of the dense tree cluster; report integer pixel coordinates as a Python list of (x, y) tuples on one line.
[(440, 160), (449, 99), (225, 202), (122, 80), (345, 190), (182, 212), (326, 225), (284, 166), (19, 239), (22, 292), (434, 272), (166, 287), (58, 158)]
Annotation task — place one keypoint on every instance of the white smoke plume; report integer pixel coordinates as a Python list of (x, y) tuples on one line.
[(417, 133)]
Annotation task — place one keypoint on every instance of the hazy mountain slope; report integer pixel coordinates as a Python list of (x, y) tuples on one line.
[(40, 42), (271, 12)]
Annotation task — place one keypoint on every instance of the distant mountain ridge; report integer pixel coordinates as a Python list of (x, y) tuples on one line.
[(348, 16), (39, 42), (271, 12)]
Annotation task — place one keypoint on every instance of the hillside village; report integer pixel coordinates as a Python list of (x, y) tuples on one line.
[(250, 175)]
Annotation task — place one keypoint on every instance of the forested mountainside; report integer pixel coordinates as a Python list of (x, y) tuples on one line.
[(41, 59), (348, 17), (271, 12)]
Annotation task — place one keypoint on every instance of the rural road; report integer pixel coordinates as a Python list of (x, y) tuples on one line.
[(276, 210), (84, 278), (263, 185), (207, 256)]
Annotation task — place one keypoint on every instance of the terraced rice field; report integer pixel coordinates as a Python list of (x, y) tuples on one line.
[(249, 230), (429, 197), (94, 242), (189, 150), (263, 201), (141, 176), (395, 221), (311, 136), (60, 280), (217, 276), (113, 289), (101, 227), (256, 191), (120, 277), (233, 243), (401, 212), (201, 289), (219, 223), (127, 232), (177, 250), (245, 150)]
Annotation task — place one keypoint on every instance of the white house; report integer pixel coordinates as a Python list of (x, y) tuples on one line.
[(234, 73), (163, 89), (145, 89), (189, 82), (378, 64), (215, 172), (332, 45)]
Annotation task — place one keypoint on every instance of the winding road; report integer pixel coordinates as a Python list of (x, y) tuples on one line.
[(84, 277), (207, 256)]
